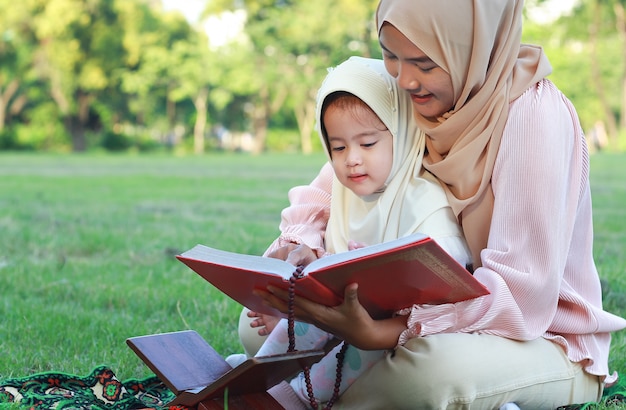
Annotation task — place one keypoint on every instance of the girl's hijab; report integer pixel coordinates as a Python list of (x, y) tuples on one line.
[(478, 43), (407, 199)]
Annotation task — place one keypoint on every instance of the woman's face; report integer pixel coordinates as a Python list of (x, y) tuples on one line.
[(428, 84)]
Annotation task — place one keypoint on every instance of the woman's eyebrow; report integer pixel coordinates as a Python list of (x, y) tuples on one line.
[(420, 59)]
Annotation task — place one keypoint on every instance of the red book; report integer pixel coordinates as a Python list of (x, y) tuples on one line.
[(391, 276)]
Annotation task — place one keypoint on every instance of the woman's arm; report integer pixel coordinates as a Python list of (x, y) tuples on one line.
[(538, 183), (349, 321)]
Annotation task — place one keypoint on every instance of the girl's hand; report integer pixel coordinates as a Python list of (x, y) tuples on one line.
[(296, 254), (352, 245), (348, 321), (265, 323), (282, 252)]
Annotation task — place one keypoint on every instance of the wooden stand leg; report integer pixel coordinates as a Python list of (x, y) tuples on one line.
[(253, 401)]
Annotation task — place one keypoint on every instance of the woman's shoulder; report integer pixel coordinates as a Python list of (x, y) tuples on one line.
[(541, 92), (541, 106)]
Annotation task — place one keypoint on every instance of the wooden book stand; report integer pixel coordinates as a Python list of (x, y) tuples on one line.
[(200, 378)]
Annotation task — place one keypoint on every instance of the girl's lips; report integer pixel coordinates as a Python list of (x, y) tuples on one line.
[(357, 178)]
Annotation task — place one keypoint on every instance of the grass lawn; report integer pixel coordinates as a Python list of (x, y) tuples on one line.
[(87, 247)]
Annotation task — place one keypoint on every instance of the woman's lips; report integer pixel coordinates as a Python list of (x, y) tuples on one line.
[(421, 99)]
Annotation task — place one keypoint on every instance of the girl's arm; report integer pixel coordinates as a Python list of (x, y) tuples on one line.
[(304, 220)]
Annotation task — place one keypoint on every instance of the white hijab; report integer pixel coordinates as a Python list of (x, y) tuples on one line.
[(408, 198)]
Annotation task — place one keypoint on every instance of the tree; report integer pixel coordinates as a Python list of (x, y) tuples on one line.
[(292, 44), (80, 50), (149, 39), (195, 74), (595, 36), (16, 50)]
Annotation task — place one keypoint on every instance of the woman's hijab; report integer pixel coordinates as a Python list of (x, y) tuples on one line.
[(478, 43)]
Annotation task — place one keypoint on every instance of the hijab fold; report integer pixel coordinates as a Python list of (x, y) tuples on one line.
[(478, 43)]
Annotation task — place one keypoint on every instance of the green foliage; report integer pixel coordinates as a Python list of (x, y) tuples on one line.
[(44, 130), (113, 141), (283, 140), (124, 63), (589, 36), (8, 140)]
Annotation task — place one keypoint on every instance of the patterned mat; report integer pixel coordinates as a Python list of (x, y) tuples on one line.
[(98, 390), (101, 390)]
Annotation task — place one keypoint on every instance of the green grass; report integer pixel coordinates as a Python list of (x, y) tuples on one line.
[(87, 247)]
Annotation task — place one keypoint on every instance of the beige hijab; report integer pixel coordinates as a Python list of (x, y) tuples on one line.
[(477, 42), (408, 199)]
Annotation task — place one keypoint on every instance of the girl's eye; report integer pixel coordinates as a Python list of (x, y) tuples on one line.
[(369, 144), (337, 149)]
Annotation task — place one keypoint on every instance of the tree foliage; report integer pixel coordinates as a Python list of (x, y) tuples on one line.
[(77, 74)]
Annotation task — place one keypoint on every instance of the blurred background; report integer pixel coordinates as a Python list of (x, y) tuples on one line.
[(193, 76)]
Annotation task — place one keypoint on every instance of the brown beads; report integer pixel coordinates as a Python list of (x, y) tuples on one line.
[(292, 347)]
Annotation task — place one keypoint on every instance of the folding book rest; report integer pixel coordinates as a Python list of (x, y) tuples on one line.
[(201, 378)]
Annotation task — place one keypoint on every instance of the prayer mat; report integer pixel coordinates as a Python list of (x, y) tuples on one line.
[(101, 390)]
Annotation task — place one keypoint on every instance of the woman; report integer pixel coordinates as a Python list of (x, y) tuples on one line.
[(509, 149)]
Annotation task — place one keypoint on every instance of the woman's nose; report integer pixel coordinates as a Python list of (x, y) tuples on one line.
[(406, 79)]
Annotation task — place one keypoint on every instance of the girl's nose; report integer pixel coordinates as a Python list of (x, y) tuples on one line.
[(353, 159)]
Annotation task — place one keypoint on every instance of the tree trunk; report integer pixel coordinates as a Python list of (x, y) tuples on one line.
[(260, 125), (620, 16), (596, 74), (200, 102), (77, 123), (5, 98), (170, 110), (305, 116), (77, 133), (260, 121), (305, 112)]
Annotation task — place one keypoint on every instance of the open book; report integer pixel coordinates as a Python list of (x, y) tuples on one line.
[(391, 276)]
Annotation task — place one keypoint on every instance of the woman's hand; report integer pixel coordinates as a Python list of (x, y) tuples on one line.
[(348, 321)]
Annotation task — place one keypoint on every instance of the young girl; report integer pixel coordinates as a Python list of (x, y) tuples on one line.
[(510, 152), (380, 192)]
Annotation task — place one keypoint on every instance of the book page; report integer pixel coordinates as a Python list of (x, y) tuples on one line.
[(343, 257), (252, 263)]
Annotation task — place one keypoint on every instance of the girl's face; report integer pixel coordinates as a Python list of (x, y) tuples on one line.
[(428, 84), (361, 148)]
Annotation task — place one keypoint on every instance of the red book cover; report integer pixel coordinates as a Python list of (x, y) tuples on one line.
[(391, 276)]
